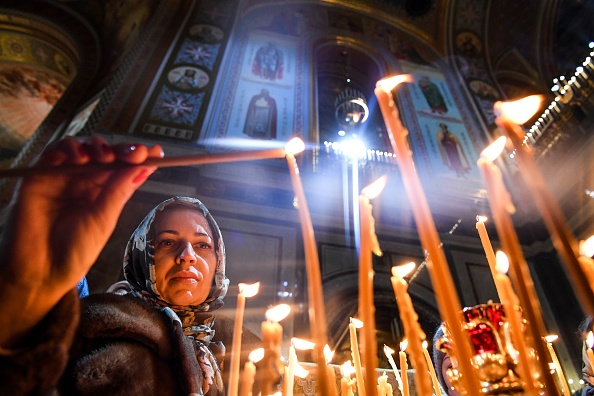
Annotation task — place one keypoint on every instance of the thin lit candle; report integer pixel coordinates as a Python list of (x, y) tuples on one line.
[(317, 311), (509, 116), (412, 329), (355, 354), (586, 249), (328, 354), (558, 369), (383, 387), (510, 302), (487, 247), (389, 352), (404, 367), (293, 367), (185, 160), (346, 383), (269, 371), (249, 372), (436, 388), (447, 298), (502, 207), (245, 291), (368, 246)]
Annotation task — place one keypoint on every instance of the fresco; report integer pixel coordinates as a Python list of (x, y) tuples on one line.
[(33, 76)]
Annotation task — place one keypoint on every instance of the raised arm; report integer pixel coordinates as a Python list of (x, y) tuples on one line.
[(58, 225)]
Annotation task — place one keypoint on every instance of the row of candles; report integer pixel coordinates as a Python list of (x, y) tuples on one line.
[(580, 268)]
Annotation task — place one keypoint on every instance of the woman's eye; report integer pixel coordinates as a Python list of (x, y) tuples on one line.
[(166, 243), (203, 245)]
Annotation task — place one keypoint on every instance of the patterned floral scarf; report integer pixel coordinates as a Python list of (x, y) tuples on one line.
[(196, 321)]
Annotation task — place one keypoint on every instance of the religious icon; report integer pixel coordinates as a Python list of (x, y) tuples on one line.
[(260, 121), (433, 95), (268, 63), (187, 78), (451, 151)]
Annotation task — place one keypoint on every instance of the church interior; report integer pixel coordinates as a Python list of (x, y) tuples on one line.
[(226, 76)]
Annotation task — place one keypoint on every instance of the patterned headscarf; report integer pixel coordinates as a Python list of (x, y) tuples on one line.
[(139, 263), (196, 321)]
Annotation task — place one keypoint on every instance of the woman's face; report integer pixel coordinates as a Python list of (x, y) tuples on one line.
[(185, 256), (446, 364)]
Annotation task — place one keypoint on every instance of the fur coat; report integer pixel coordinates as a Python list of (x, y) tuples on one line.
[(123, 346)]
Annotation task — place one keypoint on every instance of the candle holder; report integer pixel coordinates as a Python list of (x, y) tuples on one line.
[(496, 358)]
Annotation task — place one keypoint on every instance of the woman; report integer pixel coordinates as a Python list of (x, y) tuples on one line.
[(442, 363), (585, 327), (161, 337)]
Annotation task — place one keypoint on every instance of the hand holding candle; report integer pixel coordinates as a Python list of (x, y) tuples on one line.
[(244, 292)]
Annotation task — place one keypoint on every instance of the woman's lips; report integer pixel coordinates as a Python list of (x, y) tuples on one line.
[(187, 277)]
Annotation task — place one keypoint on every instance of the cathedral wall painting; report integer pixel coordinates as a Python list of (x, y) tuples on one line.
[(443, 148), (264, 101)]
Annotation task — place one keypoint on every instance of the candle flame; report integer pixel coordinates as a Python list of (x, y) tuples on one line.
[(388, 84), (519, 111), (404, 344), (481, 218), (501, 262), (256, 355), (357, 323), (403, 270), (551, 337), (494, 150), (587, 247), (294, 146), (590, 340), (278, 312), (424, 344), (299, 371), (328, 354), (374, 189), (388, 350), (249, 290), (300, 344), (346, 369)]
